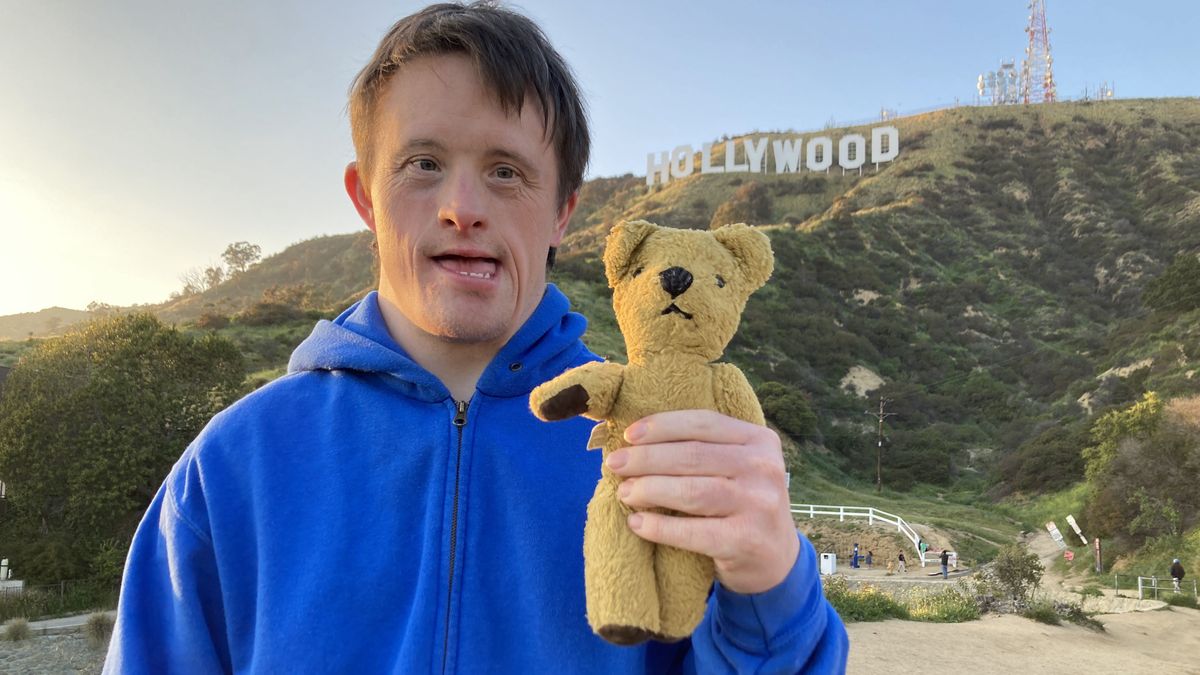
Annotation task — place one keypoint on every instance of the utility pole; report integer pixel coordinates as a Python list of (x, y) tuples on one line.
[(879, 448)]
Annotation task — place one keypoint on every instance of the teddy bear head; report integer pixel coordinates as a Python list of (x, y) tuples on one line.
[(683, 291)]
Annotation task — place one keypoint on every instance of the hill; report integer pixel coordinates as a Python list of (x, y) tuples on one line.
[(51, 321), (991, 283)]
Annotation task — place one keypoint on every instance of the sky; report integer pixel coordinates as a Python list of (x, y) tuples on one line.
[(138, 138)]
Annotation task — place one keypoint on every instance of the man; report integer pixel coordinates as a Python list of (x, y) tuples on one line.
[(945, 558), (392, 505), (1176, 573)]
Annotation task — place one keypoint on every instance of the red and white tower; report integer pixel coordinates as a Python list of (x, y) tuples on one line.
[(1037, 72)]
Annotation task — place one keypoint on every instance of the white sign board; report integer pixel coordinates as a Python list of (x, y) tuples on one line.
[(1055, 534)]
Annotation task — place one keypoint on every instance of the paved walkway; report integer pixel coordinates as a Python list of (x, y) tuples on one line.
[(61, 625)]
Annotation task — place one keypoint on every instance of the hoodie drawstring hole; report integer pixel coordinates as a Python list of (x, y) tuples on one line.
[(515, 366)]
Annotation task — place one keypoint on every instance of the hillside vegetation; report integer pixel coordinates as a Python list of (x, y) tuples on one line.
[(1014, 275)]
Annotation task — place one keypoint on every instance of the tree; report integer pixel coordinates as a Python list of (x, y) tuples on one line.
[(240, 256), (193, 282), (789, 410), (1018, 571), (1177, 289), (90, 424), (213, 276)]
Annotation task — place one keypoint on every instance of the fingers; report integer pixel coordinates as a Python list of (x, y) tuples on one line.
[(682, 425), (696, 496), (695, 458), (707, 536)]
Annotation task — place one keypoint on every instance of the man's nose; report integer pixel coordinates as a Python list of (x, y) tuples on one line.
[(461, 203), (675, 280)]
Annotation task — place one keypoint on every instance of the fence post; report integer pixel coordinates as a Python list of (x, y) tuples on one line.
[(871, 517)]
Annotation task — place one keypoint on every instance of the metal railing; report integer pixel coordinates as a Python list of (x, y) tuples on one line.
[(872, 515), (1152, 584)]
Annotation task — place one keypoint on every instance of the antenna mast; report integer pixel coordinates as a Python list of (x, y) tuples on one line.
[(1038, 68)]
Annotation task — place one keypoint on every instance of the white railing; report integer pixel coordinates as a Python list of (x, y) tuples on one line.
[(1168, 586), (871, 514)]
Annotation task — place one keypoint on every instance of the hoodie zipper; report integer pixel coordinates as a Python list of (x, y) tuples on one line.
[(460, 421)]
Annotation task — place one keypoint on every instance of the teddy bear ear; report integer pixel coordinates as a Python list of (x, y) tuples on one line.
[(752, 250), (623, 240)]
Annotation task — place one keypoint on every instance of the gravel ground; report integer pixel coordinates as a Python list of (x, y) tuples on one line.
[(50, 655)]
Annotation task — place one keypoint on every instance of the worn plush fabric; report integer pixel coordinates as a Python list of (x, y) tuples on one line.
[(678, 296), (338, 520)]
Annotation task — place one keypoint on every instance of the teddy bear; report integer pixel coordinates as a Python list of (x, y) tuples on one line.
[(678, 297)]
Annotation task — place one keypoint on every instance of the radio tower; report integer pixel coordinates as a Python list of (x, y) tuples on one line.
[(1038, 68)]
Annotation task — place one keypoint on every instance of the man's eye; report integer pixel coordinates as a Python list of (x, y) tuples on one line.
[(426, 164), (506, 173)]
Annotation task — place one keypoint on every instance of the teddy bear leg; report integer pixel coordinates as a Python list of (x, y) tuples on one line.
[(622, 600), (684, 579)]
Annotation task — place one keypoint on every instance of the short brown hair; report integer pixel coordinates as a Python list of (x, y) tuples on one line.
[(513, 57)]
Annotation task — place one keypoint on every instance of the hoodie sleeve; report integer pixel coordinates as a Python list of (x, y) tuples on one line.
[(170, 617), (791, 628)]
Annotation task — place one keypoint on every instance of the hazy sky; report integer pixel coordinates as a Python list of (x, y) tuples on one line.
[(139, 137)]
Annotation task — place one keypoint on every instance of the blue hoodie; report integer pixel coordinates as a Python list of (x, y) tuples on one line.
[(352, 517)]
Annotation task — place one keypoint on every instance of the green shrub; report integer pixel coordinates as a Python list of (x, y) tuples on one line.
[(16, 630), (1017, 571), (1181, 600), (945, 605), (269, 314), (1091, 592), (98, 629), (212, 321), (1043, 611), (867, 603)]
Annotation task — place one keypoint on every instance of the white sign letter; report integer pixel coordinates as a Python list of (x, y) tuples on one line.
[(682, 162), (754, 153), (852, 144), (823, 146), (706, 160), (731, 157), (662, 167), (882, 151), (787, 155)]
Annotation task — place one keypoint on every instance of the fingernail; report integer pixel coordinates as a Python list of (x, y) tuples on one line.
[(635, 431), (617, 459), (635, 521), (624, 489)]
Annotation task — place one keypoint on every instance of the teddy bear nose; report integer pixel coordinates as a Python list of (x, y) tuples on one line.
[(675, 280)]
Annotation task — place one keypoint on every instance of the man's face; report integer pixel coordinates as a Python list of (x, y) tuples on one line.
[(463, 200)]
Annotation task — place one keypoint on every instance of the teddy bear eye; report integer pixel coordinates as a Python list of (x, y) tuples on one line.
[(638, 271), (720, 281)]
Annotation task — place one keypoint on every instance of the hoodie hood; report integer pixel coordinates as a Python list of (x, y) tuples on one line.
[(358, 340)]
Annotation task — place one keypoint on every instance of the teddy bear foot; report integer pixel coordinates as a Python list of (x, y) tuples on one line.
[(625, 635)]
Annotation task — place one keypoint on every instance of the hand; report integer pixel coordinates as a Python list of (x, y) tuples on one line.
[(728, 476)]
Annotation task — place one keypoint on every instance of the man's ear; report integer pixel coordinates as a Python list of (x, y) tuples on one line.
[(622, 242), (357, 189), (751, 249), (564, 218)]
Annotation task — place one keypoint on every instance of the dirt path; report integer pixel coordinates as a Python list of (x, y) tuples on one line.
[(1158, 642)]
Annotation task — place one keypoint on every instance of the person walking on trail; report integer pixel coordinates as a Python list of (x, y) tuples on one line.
[(945, 558), (854, 559), (870, 560), (923, 546), (902, 569), (1176, 573)]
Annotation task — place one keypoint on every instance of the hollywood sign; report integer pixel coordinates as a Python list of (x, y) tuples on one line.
[(817, 155)]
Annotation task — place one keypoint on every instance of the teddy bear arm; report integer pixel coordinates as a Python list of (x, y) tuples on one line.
[(588, 390), (735, 397)]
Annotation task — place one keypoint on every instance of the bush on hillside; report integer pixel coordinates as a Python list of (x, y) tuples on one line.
[(269, 314), (16, 630), (90, 423)]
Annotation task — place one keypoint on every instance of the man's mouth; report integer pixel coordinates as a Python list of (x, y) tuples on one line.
[(673, 308), (468, 266)]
